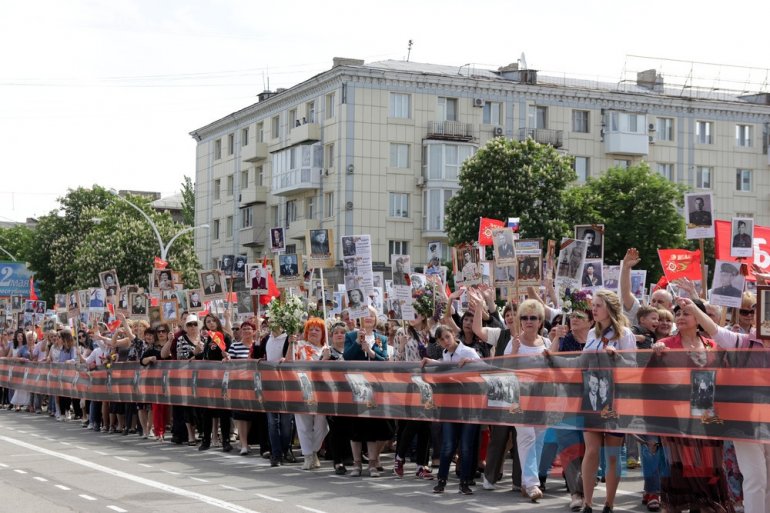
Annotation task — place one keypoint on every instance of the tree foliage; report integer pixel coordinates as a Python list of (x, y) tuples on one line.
[(507, 178), (94, 231), (638, 208), (188, 201)]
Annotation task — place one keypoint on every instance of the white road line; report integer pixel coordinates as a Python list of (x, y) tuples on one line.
[(19, 471), (41, 479), (198, 479), (63, 443), (310, 509), (87, 497), (484, 506), (81, 448), (62, 487), (227, 487), (100, 453), (121, 458), (119, 510), (267, 497), (170, 472), (145, 465), (211, 501), (35, 435), (3, 465), (22, 432)]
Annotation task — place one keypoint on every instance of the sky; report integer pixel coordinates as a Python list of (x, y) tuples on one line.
[(106, 92)]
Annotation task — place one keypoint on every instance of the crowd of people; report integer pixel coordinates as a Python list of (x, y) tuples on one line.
[(729, 476)]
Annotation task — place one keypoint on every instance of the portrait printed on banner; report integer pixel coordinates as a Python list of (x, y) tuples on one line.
[(763, 312), (348, 245), (277, 240), (139, 303), (226, 264), (306, 386), (361, 389), (109, 282), (426, 392), (212, 284), (402, 267), (742, 237), (162, 279), (257, 387), (699, 215), (702, 388), (503, 390), (593, 235), (728, 283), (225, 387), (169, 311), (502, 241), (598, 390)]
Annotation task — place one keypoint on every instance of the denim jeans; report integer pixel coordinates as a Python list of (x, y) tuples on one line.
[(467, 435), (95, 414), (651, 464), (280, 431)]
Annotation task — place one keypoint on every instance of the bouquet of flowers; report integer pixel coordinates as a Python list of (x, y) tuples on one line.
[(428, 302), (288, 314), (576, 300)]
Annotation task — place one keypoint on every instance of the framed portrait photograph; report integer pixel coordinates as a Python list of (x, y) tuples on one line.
[(763, 312), (742, 237), (638, 283), (239, 267), (155, 316), (505, 275), (321, 245), (61, 302), (569, 267), (727, 285), (401, 268), (138, 303), (258, 279), (212, 284), (598, 390), (194, 300), (435, 250), (592, 275), (277, 240), (699, 215), (593, 235), (162, 279), (227, 264), (467, 270), (502, 243), (287, 270), (502, 390), (529, 270), (702, 388), (109, 281), (16, 303), (97, 299), (169, 311)]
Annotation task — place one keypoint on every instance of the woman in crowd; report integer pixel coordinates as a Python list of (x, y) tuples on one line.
[(665, 324), (151, 354), (366, 344), (311, 428), (239, 350), (214, 351), (610, 334), (22, 351), (279, 425), (67, 354), (339, 427)]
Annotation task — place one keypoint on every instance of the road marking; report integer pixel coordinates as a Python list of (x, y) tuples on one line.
[(231, 488), (22, 432), (3, 465), (170, 472), (87, 497), (101, 453), (310, 509), (199, 479), (475, 503), (119, 510), (81, 448), (62, 487), (63, 443), (121, 458), (145, 465), (41, 479), (19, 471), (268, 497), (211, 501)]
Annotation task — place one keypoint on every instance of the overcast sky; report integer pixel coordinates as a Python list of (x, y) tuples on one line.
[(106, 91)]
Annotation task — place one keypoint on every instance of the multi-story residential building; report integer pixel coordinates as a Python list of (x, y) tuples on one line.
[(376, 149)]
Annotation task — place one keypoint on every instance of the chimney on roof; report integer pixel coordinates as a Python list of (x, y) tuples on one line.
[(344, 61), (264, 95), (650, 79)]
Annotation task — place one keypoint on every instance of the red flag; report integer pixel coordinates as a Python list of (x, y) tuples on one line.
[(272, 288), (218, 339), (113, 326), (32, 294), (232, 297), (680, 263), (662, 283), (486, 226), (159, 263), (723, 237)]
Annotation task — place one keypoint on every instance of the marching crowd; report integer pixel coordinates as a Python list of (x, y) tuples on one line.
[(730, 476)]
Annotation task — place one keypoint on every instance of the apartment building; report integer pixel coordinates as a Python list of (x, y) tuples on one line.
[(376, 149)]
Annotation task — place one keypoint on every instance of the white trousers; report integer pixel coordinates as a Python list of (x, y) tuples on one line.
[(529, 442), (754, 463), (311, 430)]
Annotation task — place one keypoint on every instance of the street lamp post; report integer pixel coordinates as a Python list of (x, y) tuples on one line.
[(7, 253), (163, 248)]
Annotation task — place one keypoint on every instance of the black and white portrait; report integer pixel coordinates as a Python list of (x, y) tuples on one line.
[(502, 240), (288, 265), (109, 281), (362, 390), (138, 303), (306, 386), (257, 387), (699, 215), (239, 268), (225, 388), (503, 390), (212, 284), (742, 240), (319, 243), (571, 257), (16, 303), (702, 384), (226, 264), (277, 240), (598, 390), (593, 235), (348, 246), (592, 275), (426, 391), (401, 268)]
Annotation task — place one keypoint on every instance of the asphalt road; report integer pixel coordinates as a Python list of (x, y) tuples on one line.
[(52, 467)]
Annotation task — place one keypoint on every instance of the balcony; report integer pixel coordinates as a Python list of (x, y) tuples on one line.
[(450, 131), (253, 237), (254, 194), (309, 132), (626, 143), (299, 228), (254, 151), (296, 180), (553, 138)]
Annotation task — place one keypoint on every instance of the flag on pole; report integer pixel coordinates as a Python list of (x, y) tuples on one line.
[(272, 288), (32, 294), (680, 263), (486, 226), (218, 339)]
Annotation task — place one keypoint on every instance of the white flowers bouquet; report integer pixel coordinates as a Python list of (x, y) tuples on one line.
[(289, 314)]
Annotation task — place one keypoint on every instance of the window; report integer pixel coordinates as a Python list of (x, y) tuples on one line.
[(230, 144), (397, 247), (274, 214), (310, 208), (260, 132), (627, 122), (329, 156), (291, 211), (230, 186), (434, 207), (399, 106), (310, 112), (291, 249), (275, 124), (229, 227), (329, 105), (293, 121), (218, 149), (259, 176), (215, 231), (665, 131), (399, 155), (245, 179), (217, 187), (703, 177), (245, 136), (328, 204), (622, 164), (399, 204), (446, 109), (492, 113), (580, 121), (743, 136), (744, 214), (704, 132), (537, 117), (743, 180), (247, 217), (582, 168), (443, 161), (667, 171)]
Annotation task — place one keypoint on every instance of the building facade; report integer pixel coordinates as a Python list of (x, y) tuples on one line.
[(376, 149)]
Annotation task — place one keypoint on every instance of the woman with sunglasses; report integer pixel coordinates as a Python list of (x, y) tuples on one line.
[(212, 351), (610, 334), (239, 350), (339, 427), (746, 313), (154, 342)]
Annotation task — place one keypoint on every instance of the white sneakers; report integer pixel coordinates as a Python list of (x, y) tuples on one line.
[(316, 461), (487, 485)]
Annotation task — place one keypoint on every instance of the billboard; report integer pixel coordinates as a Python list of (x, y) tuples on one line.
[(14, 279)]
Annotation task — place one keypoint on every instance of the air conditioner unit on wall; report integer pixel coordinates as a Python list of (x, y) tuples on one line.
[(498, 131), (478, 102), (349, 205), (420, 181)]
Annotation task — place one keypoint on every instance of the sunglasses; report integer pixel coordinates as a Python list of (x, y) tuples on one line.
[(162, 331), (236, 329), (192, 324), (578, 316), (744, 311), (531, 318)]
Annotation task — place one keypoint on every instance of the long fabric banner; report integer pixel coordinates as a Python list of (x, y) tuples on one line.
[(720, 394)]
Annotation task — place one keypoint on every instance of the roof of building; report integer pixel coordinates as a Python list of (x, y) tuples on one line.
[(173, 202)]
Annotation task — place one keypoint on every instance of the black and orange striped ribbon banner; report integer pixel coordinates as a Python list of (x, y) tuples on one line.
[(720, 394)]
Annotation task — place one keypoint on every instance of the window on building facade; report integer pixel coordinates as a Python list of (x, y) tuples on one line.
[(743, 180), (743, 136), (446, 109), (397, 247), (622, 164), (750, 215), (259, 176), (310, 207), (291, 249), (292, 119), (627, 122), (398, 204), (218, 149), (580, 120), (291, 211), (245, 179), (399, 106), (443, 161), (230, 144), (492, 113), (328, 204), (667, 171), (665, 129), (310, 112), (434, 208), (217, 188), (247, 219), (275, 125), (537, 117), (582, 168), (329, 105), (704, 132), (245, 136), (215, 230), (229, 227), (399, 155), (260, 132), (703, 176), (230, 185), (329, 156), (275, 215)]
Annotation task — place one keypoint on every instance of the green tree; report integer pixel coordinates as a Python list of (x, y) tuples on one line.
[(638, 208), (188, 201), (16, 241), (508, 178)]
